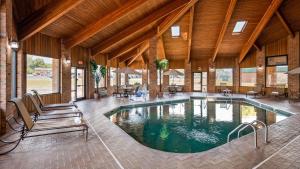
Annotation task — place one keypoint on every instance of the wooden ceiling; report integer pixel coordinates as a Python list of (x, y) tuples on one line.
[(121, 28)]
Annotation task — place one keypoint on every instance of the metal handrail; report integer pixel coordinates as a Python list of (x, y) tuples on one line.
[(246, 124), (239, 126), (256, 121)]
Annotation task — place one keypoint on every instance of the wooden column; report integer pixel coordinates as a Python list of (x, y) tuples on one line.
[(260, 64), (165, 81), (211, 79), (90, 81), (293, 61), (21, 68), (152, 68), (187, 76), (65, 75), (236, 76), (145, 75)]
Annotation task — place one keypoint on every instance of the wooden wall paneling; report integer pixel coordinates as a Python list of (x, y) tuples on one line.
[(79, 54), (250, 60), (42, 45), (278, 47)]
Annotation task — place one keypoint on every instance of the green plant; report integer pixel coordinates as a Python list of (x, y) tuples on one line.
[(161, 65), (98, 72)]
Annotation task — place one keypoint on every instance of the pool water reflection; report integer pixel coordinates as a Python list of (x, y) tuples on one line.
[(191, 126)]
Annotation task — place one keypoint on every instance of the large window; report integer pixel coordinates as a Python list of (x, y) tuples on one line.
[(135, 79), (248, 76), (113, 77), (122, 79), (277, 75), (102, 80), (276, 71), (177, 79), (42, 74), (224, 77)]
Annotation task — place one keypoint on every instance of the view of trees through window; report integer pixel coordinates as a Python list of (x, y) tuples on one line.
[(135, 79), (248, 77), (42, 74), (113, 77), (224, 77), (177, 79), (277, 75)]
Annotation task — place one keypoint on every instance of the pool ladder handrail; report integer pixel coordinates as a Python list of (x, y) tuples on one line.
[(246, 124)]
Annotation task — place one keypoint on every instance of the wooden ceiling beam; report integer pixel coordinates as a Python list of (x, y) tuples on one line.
[(150, 19), (44, 17), (275, 4), (128, 55), (132, 44), (190, 35), (257, 47), (161, 47), (284, 23), (141, 50), (97, 26), (174, 17), (228, 15)]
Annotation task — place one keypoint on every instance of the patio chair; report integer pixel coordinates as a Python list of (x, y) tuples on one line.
[(278, 91), (43, 106), (258, 90), (225, 90), (52, 114), (172, 89), (31, 129)]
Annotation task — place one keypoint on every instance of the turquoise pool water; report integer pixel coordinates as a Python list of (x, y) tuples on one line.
[(189, 126)]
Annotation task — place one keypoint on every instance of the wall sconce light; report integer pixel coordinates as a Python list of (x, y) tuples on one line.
[(199, 68), (211, 69), (67, 60), (260, 67), (14, 45), (80, 62)]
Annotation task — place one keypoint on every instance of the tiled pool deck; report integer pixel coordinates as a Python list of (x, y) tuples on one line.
[(110, 147)]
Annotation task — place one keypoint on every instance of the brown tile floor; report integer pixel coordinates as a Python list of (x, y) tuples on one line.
[(71, 151)]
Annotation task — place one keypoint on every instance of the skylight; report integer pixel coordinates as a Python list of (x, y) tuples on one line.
[(239, 27), (175, 30)]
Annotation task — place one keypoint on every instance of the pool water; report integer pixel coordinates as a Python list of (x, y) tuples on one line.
[(189, 126)]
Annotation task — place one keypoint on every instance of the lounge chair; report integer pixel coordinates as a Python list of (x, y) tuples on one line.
[(225, 90), (31, 129), (43, 106), (258, 90), (52, 114), (278, 91)]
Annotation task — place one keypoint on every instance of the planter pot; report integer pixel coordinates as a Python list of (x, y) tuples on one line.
[(96, 96)]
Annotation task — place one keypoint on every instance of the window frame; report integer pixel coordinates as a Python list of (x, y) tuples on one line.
[(241, 78), (59, 73), (231, 75), (266, 66)]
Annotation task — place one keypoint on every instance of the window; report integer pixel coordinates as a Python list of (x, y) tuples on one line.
[(276, 71), (135, 79), (239, 27), (113, 76), (102, 80), (277, 75), (122, 79), (175, 30), (177, 80), (248, 77), (160, 75), (224, 77), (42, 74)]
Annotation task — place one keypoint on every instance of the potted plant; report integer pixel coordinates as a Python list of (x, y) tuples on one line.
[(98, 72), (161, 65)]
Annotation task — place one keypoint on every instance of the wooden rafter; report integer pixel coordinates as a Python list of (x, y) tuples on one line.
[(228, 15), (150, 19), (141, 50), (161, 47), (103, 22), (285, 24), (174, 17), (257, 47), (190, 35), (128, 55), (132, 44), (144, 58), (275, 4), (44, 17)]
